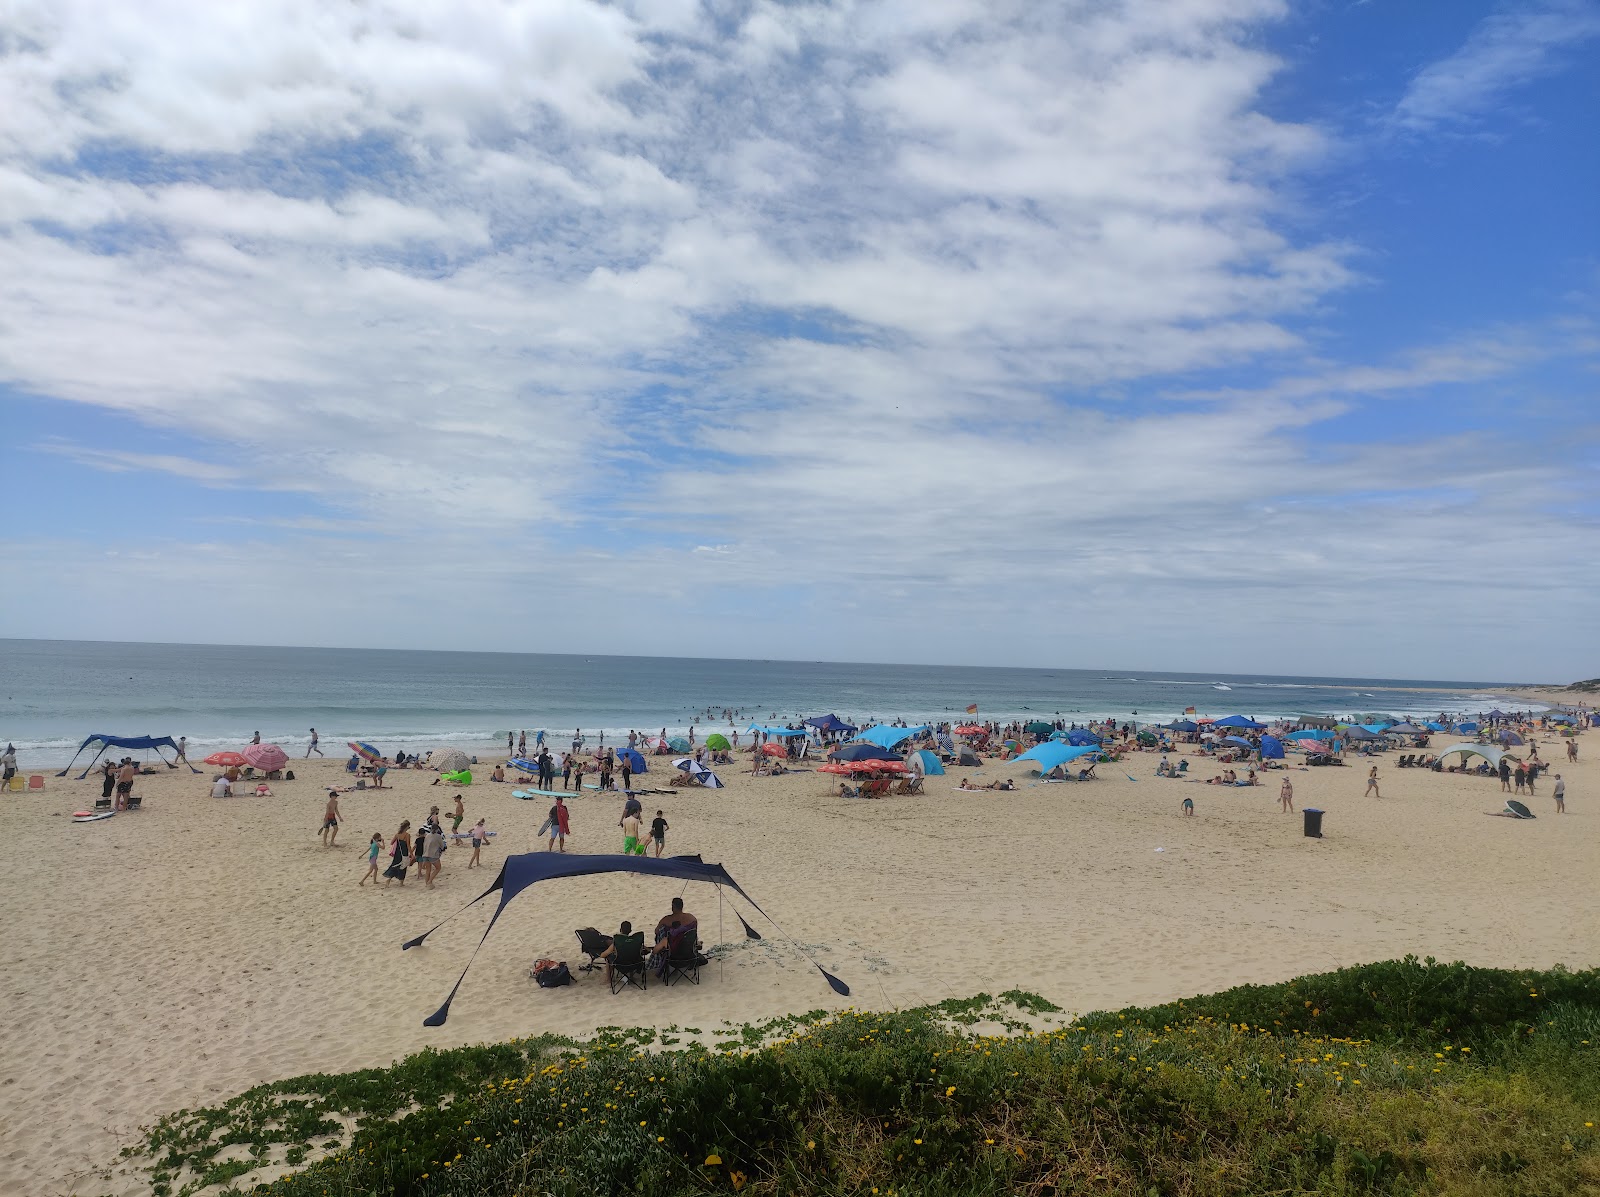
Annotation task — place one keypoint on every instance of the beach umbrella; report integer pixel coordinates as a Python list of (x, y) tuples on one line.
[(227, 758), (1080, 736), (1312, 745), (1406, 728), (1240, 741), (448, 760), (971, 729), (834, 767), (1039, 728), (678, 744), (632, 759), (265, 757), (1239, 721), (364, 751), (662, 748), (717, 741), (1183, 725), (862, 752), (774, 750)]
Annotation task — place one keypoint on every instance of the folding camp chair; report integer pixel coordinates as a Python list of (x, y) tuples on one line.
[(593, 945), (683, 956), (36, 781), (628, 963)]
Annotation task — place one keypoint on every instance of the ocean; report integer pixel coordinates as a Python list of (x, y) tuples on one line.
[(54, 693)]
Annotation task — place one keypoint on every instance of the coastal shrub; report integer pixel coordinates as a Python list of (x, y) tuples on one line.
[(1192, 1099)]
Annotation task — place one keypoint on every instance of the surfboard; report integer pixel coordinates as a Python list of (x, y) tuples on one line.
[(88, 816)]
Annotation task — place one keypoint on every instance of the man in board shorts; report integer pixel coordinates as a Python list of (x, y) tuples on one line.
[(330, 820)]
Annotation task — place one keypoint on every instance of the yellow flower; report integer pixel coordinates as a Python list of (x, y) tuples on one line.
[(950, 1091), (918, 1142), (713, 1160)]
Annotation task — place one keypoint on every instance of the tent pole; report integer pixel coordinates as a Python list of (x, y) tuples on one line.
[(720, 940)]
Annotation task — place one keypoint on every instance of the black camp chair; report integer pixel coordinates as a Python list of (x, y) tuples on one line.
[(628, 963), (683, 956), (593, 945)]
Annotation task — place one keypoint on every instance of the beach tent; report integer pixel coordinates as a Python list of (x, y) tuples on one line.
[(1466, 727), (1047, 756), (635, 762), (862, 752), (831, 723), (885, 736), (966, 756), (698, 771), (1271, 748), (518, 872), (925, 761), (1406, 728), (1507, 736), (1497, 713), (1311, 734), (1358, 733), (137, 743), (1239, 721), (716, 741), (1183, 725), (1432, 726), (1077, 736), (1560, 718), (1492, 755)]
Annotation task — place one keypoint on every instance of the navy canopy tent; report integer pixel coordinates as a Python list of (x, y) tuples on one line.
[(135, 742), (521, 871), (831, 723), (1238, 721), (863, 752), (1183, 725)]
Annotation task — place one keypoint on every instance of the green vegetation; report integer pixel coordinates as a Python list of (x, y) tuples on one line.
[(1404, 1077)]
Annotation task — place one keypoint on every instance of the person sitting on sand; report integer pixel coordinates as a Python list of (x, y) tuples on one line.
[(499, 773), (1252, 780), (221, 787)]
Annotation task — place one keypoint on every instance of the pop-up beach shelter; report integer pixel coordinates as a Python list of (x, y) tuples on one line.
[(1239, 721), (926, 761), (1052, 753), (885, 736), (1239, 742), (718, 742), (1358, 732), (830, 723), (1080, 737), (1312, 733), (778, 731), (1271, 748), (137, 743), (1466, 727), (1492, 755), (1405, 728), (521, 871)]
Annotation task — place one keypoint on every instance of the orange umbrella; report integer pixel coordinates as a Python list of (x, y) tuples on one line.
[(227, 758)]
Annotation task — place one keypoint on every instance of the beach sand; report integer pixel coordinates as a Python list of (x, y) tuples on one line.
[(177, 955)]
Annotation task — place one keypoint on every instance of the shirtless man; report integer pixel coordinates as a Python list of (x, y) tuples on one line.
[(125, 776), (460, 814), (330, 820)]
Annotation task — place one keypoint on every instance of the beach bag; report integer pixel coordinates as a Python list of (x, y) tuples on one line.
[(553, 977)]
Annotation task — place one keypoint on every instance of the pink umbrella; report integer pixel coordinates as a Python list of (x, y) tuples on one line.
[(265, 757), (1312, 745)]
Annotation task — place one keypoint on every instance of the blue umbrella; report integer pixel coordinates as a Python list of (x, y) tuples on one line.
[(1240, 741), (1183, 725), (1237, 721)]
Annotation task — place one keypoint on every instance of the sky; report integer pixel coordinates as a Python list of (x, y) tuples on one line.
[(1221, 335)]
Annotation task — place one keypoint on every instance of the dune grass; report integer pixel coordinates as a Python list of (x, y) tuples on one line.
[(1400, 1077)]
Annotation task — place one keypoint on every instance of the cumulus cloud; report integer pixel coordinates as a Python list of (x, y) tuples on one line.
[(700, 290)]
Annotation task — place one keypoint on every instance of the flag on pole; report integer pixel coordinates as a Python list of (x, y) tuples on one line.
[(972, 709), (1188, 710)]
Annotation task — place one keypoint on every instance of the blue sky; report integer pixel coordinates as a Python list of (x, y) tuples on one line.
[(1217, 334)]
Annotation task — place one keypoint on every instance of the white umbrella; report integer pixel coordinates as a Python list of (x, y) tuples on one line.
[(449, 760)]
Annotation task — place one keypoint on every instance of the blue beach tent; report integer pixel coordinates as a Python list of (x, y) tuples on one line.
[(1052, 753), (517, 873), (1466, 727), (1311, 733), (1183, 725), (927, 761), (885, 736), (863, 752), (1432, 726), (1238, 721), (831, 723), (137, 743), (1271, 748)]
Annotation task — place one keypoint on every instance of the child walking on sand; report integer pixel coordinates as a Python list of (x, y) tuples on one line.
[(1372, 783), (374, 850), (479, 833)]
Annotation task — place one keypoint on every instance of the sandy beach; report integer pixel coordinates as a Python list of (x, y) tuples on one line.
[(178, 954)]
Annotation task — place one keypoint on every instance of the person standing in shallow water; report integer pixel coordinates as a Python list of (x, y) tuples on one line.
[(312, 747)]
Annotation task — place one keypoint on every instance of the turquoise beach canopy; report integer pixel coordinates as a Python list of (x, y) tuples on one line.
[(1053, 752), (885, 736), (1311, 733)]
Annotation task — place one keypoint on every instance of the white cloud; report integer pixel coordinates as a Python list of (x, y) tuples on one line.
[(1508, 49), (698, 296)]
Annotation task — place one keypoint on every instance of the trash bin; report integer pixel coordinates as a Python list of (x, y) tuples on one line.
[(1313, 822)]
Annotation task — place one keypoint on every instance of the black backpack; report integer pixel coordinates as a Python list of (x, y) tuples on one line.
[(552, 978)]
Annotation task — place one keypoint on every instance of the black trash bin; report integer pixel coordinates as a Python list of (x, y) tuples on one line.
[(1313, 822)]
